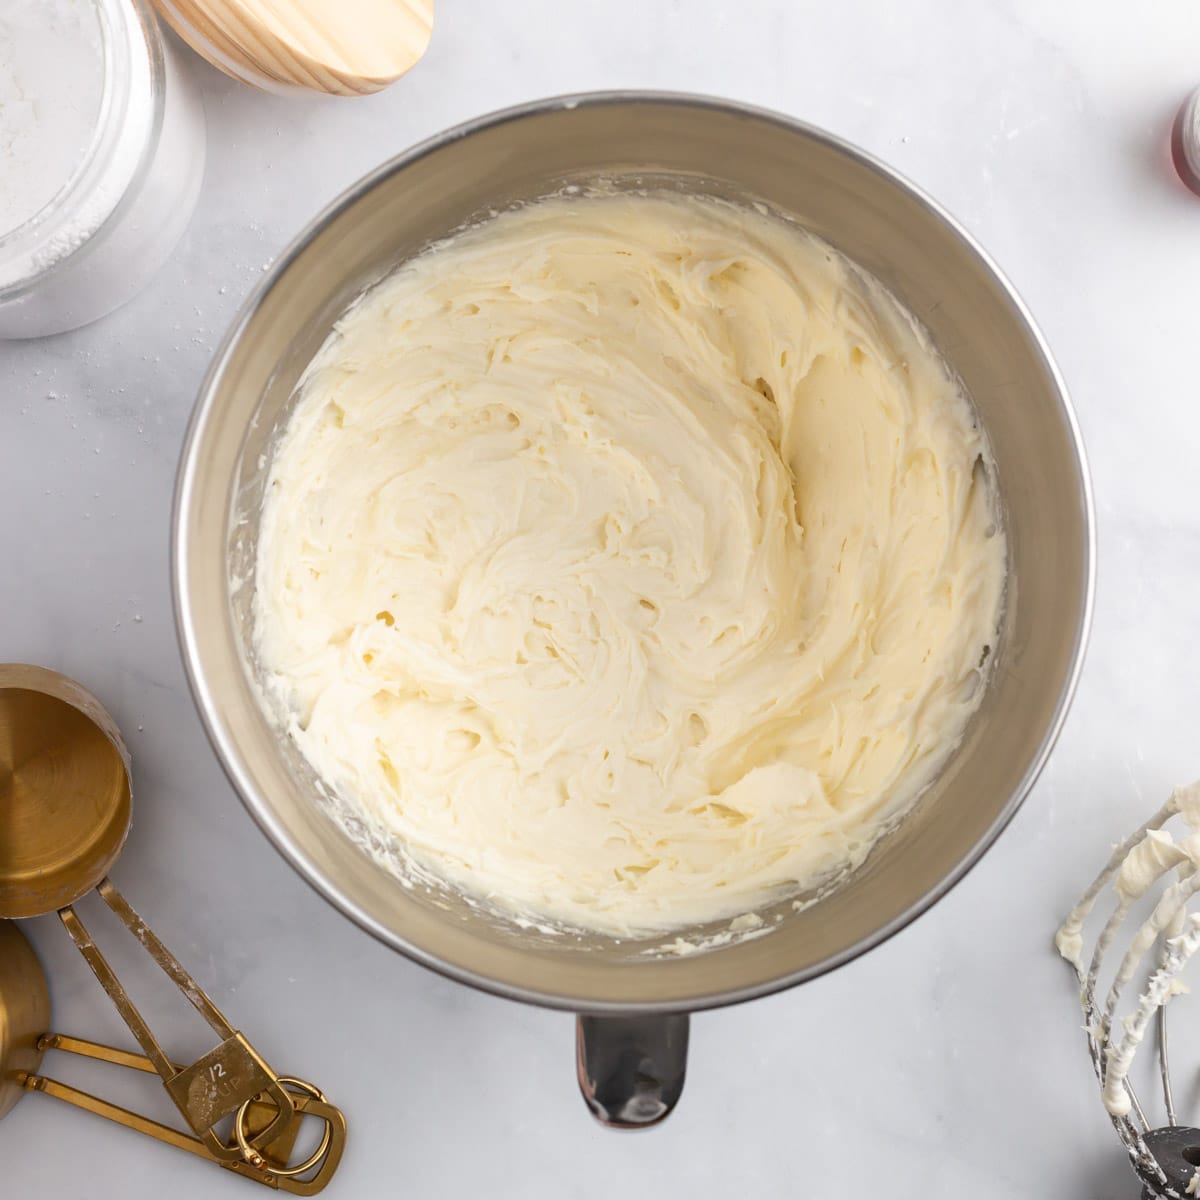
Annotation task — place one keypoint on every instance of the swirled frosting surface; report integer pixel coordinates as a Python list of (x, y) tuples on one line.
[(629, 560)]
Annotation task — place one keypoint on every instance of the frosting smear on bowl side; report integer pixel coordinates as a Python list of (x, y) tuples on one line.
[(631, 560)]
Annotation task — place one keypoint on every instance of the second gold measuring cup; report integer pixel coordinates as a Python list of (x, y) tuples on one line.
[(65, 812)]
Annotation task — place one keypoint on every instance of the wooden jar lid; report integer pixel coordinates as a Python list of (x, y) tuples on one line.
[(343, 47)]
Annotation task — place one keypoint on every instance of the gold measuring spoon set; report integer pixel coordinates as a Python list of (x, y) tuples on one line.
[(65, 811)]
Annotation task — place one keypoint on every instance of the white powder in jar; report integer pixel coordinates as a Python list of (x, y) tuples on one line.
[(102, 141), (51, 87)]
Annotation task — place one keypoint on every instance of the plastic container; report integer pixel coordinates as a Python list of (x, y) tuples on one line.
[(128, 195)]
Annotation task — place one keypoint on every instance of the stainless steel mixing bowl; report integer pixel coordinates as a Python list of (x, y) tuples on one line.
[(881, 222)]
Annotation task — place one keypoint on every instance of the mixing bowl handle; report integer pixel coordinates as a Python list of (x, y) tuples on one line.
[(631, 1069)]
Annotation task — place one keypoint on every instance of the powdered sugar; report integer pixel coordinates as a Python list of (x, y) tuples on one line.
[(51, 87), (106, 126)]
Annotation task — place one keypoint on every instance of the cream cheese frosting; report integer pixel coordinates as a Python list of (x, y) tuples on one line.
[(1152, 865), (629, 560)]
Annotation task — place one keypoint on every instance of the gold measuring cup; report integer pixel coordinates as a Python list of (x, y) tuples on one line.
[(65, 811)]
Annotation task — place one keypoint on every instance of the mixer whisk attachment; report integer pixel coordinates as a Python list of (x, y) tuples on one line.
[(1151, 867)]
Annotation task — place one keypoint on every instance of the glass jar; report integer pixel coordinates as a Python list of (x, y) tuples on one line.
[(1185, 142), (128, 196)]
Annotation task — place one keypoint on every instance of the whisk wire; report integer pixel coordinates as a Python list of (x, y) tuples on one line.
[(1137, 1106), (1163, 1067), (1151, 864)]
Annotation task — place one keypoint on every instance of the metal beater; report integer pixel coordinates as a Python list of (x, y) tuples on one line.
[(1158, 867)]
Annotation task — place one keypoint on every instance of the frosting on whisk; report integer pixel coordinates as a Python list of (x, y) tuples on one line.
[(1159, 949)]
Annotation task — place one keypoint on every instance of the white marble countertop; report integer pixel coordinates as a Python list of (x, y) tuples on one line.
[(946, 1063)]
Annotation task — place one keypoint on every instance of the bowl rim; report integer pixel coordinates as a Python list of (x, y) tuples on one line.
[(185, 497)]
